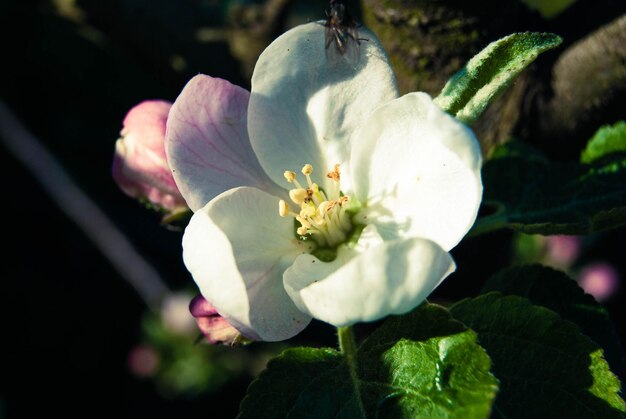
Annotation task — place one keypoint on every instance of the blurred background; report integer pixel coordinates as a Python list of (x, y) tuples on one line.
[(81, 330)]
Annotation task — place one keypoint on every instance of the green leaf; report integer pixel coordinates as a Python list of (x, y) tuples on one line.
[(546, 367), (469, 91), (607, 140), (285, 379), (536, 196), (549, 8), (555, 290), (424, 364)]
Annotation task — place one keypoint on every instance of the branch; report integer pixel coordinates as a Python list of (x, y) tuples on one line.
[(79, 208)]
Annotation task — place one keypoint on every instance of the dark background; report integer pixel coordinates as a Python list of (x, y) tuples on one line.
[(71, 318)]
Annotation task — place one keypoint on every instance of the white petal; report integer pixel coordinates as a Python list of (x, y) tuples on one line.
[(237, 248), (392, 278), (304, 110), (418, 171), (207, 141)]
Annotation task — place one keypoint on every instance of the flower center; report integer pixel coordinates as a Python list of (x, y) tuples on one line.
[(324, 216)]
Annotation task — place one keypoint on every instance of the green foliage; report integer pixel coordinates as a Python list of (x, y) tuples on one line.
[(487, 74), (185, 369), (546, 367), (607, 140), (278, 388), (528, 248), (549, 8), (536, 196), (555, 290), (424, 364)]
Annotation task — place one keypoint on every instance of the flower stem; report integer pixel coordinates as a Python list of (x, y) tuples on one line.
[(347, 346)]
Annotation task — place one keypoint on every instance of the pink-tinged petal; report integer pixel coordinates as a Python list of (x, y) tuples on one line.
[(303, 108), (237, 248), (216, 329), (140, 166), (200, 307), (207, 141)]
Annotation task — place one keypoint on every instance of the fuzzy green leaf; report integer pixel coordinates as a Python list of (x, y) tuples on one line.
[(607, 140), (549, 8), (469, 91), (424, 364), (285, 379), (555, 290), (546, 367)]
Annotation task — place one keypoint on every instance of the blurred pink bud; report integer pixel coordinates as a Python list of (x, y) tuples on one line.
[(143, 361), (211, 324), (563, 250), (140, 165), (600, 280)]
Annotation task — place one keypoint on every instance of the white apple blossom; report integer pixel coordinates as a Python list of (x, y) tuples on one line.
[(321, 194)]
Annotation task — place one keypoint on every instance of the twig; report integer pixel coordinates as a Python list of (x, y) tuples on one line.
[(70, 199)]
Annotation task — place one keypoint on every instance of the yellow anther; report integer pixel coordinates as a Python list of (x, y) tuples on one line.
[(334, 174), (307, 211), (326, 207), (283, 208), (320, 211), (290, 176), (303, 221), (298, 196), (309, 196)]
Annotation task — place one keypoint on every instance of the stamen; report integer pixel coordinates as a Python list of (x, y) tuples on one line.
[(307, 211), (322, 213), (303, 221), (283, 208), (327, 206), (290, 176), (324, 207), (334, 174), (307, 169), (298, 196)]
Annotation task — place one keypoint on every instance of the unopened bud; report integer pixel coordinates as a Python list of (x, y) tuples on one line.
[(140, 165), (216, 329)]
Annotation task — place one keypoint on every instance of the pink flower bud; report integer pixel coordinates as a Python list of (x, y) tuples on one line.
[(600, 280), (143, 361), (140, 165), (562, 251), (211, 324)]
